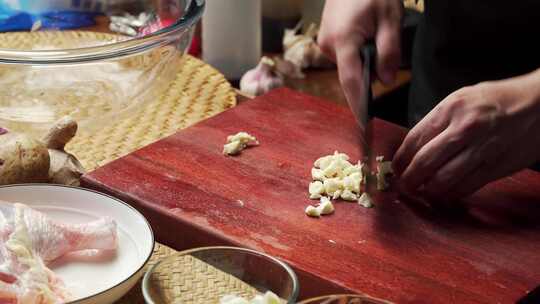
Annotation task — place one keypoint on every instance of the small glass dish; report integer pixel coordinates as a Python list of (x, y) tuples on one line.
[(345, 299), (92, 60), (207, 274)]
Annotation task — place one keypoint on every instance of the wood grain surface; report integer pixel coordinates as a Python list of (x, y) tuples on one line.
[(483, 250)]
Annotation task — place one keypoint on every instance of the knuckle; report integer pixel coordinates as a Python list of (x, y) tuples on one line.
[(438, 183), (470, 124), (455, 138)]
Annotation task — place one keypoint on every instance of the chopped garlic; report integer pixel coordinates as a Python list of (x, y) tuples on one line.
[(333, 169), (365, 200), (325, 206), (323, 162), (352, 169), (337, 194), (317, 174), (349, 195), (242, 137), (335, 177), (342, 156), (268, 298), (313, 211), (316, 189), (231, 299), (352, 182), (332, 185), (233, 148), (238, 142)]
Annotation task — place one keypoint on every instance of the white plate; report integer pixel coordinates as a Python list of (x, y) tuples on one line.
[(93, 281)]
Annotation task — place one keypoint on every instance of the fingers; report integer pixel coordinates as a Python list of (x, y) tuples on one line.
[(428, 128), (499, 163), (426, 163), (326, 38), (350, 75), (388, 50), (455, 173)]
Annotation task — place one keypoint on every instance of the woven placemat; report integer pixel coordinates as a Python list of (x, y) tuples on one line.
[(198, 92), (135, 296), (192, 281), (185, 279)]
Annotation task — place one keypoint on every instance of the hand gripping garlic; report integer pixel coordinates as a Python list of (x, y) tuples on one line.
[(261, 79)]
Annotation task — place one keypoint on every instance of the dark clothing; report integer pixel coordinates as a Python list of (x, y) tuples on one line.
[(463, 42)]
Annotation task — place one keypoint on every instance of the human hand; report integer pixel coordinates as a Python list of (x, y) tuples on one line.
[(347, 25), (474, 136)]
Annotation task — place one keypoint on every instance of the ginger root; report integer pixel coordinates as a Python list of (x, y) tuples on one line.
[(22, 159), (27, 160), (64, 168)]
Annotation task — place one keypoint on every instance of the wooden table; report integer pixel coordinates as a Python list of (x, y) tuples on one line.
[(318, 82), (484, 251)]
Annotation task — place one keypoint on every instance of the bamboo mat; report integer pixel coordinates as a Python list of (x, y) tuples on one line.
[(197, 92), (189, 282)]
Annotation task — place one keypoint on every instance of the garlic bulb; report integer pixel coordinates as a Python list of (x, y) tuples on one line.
[(288, 69), (302, 49), (262, 78)]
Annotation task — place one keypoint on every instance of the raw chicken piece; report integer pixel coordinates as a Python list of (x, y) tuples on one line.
[(29, 240)]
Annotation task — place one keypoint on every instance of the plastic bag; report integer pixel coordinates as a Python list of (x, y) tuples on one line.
[(26, 14)]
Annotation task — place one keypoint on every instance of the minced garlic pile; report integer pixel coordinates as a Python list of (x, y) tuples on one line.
[(334, 177)]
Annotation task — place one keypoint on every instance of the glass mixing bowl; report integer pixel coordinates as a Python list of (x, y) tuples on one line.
[(94, 60), (205, 275)]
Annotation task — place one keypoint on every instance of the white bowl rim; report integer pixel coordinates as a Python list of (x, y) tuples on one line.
[(290, 271), (147, 259)]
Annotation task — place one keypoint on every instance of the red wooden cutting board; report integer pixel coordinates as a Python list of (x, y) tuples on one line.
[(487, 252)]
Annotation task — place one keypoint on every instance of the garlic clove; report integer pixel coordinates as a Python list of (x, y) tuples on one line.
[(325, 206), (316, 189), (261, 79), (365, 200), (313, 211)]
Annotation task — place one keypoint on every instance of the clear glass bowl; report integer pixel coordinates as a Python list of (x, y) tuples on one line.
[(344, 299), (94, 60), (205, 275)]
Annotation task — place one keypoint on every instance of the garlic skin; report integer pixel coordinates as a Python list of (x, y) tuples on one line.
[(302, 50), (261, 79), (288, 69)]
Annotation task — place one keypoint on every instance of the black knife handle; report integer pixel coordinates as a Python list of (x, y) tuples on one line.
[(368, 53)]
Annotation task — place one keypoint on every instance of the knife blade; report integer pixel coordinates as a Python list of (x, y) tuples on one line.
[(368, 52)]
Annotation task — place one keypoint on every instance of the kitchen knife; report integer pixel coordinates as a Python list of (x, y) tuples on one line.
[(365, 114)]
